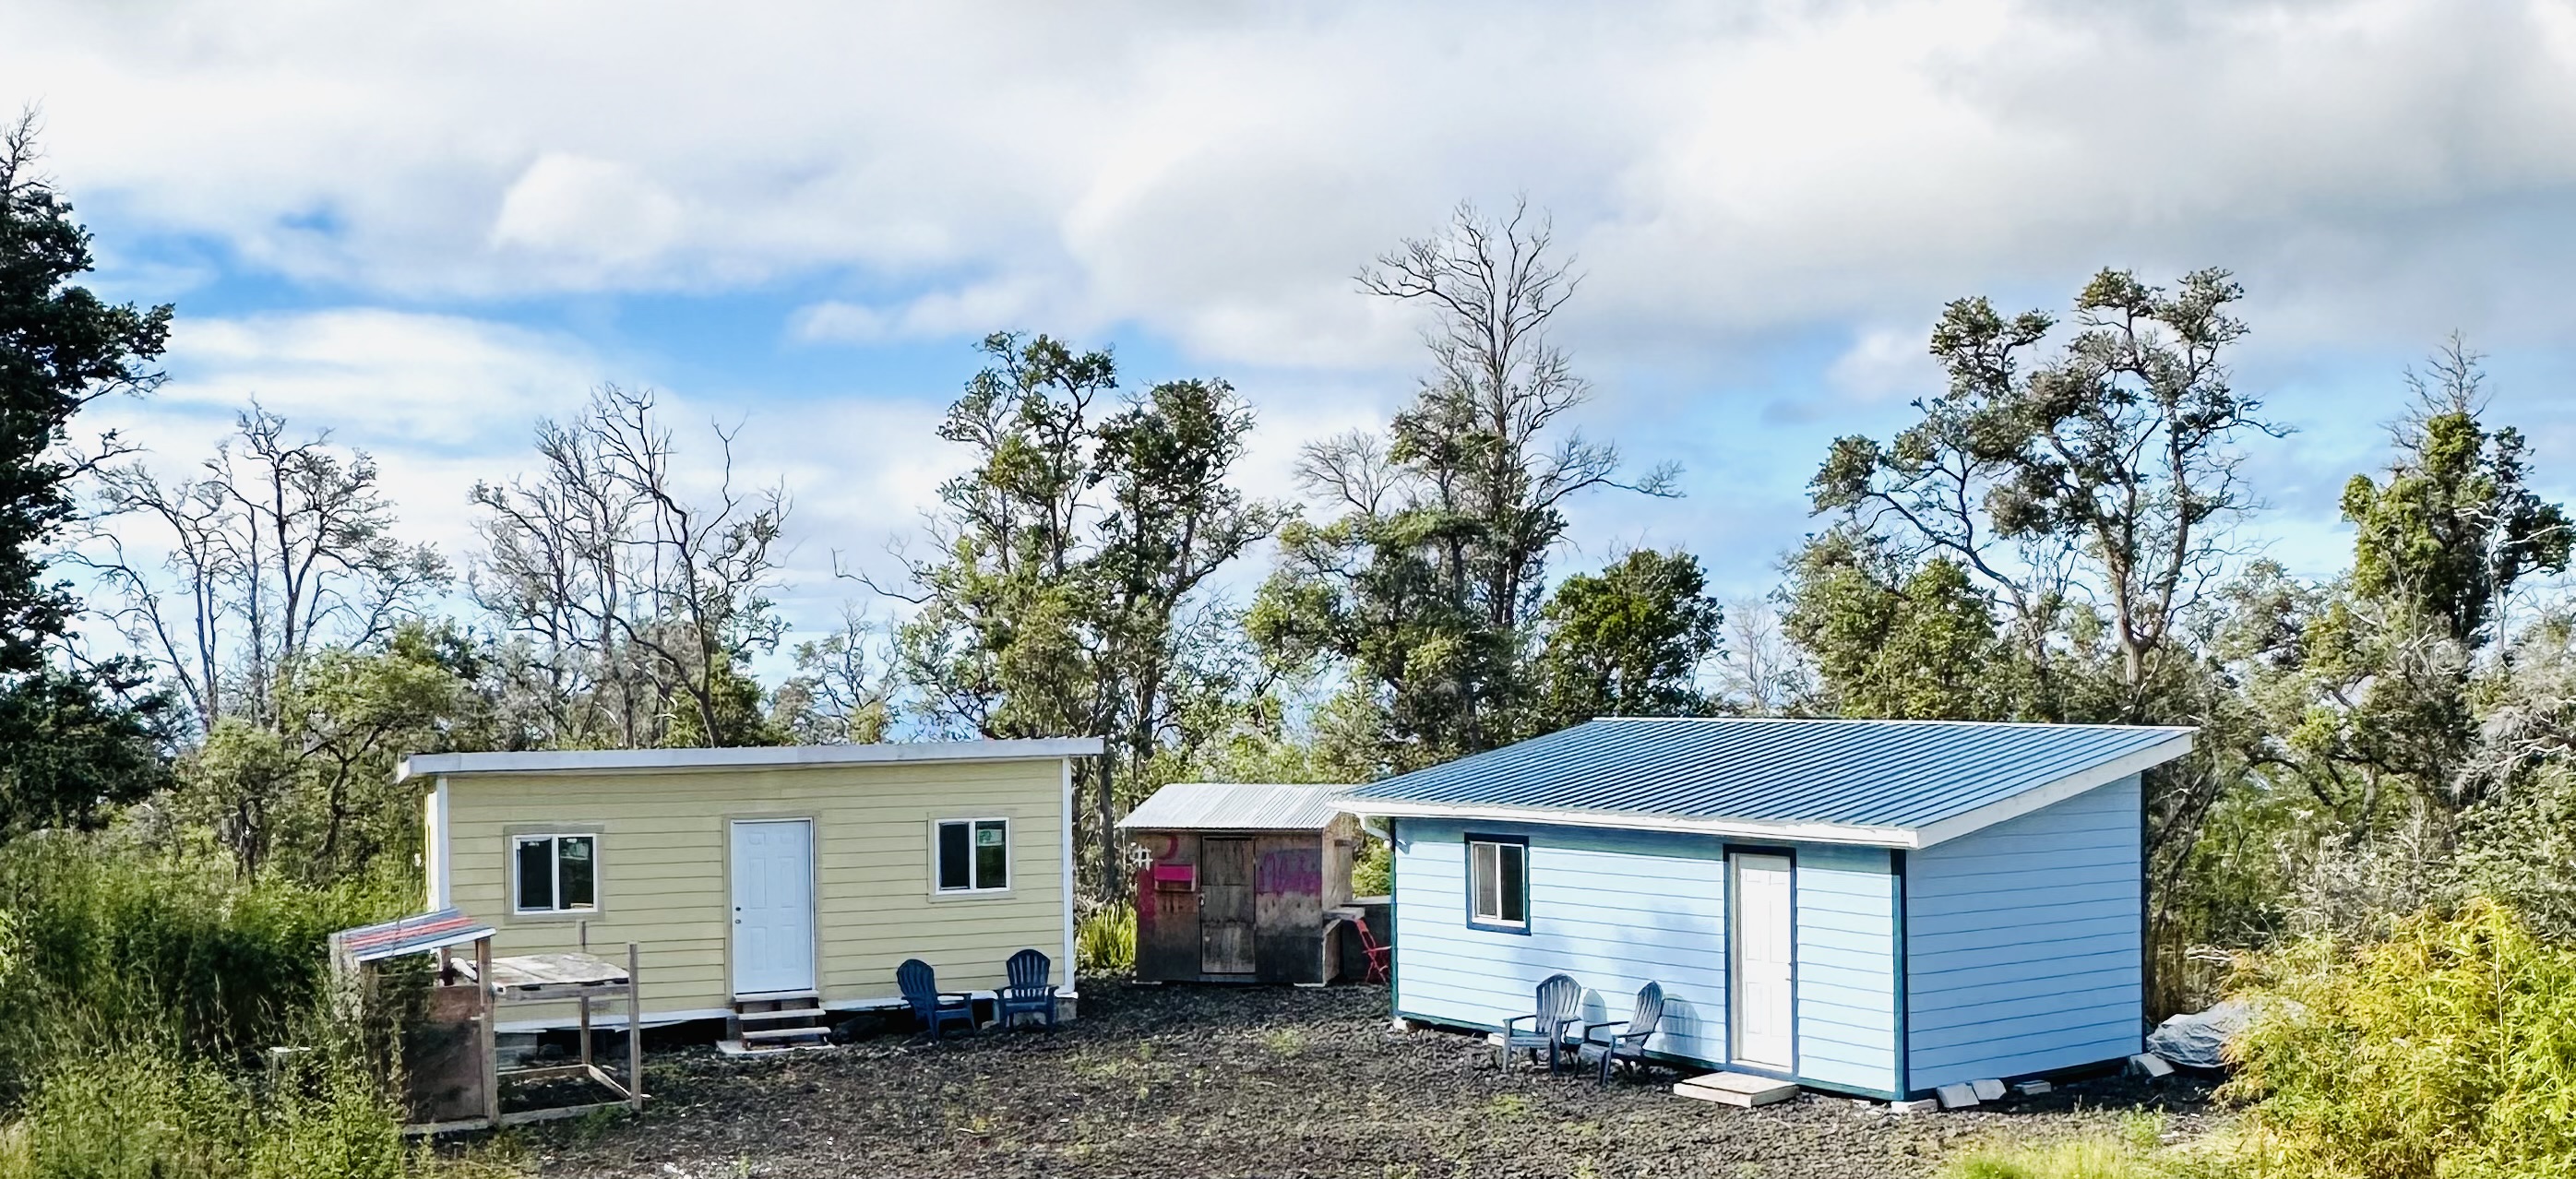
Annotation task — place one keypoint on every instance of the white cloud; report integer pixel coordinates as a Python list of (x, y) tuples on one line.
[(1217, 175)]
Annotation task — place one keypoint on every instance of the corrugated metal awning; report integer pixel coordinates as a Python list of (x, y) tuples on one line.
[(1894, 783), (1232, 806), (408, 935)]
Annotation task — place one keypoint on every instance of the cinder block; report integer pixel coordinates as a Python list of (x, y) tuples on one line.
[(1920, 1105), (1957, 1096), (1988, 1090), (2151, 1065), (2034, 1088)]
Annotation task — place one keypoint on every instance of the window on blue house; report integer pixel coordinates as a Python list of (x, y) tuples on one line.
[(1498, 883)]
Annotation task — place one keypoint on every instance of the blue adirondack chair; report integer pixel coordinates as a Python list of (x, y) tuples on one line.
[(932, 1006), (1560, 1006), (1028, 992), (1624, 1041)]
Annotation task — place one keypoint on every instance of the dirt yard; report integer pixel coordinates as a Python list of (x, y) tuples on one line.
[(1193, 1081)]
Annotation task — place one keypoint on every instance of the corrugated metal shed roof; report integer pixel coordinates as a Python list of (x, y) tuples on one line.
[(1846, 773), (1225, 806)]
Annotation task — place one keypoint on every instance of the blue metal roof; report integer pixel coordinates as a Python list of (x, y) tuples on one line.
[(1860, 773)]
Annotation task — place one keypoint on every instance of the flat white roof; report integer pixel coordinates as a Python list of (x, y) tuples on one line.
[(576, 761)]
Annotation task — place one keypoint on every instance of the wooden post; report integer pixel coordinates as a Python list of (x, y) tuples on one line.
[(634, 1031), (491, 1032), (585, 1029)]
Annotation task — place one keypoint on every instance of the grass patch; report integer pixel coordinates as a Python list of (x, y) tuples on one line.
[(2133, 1151), (1104, 941)]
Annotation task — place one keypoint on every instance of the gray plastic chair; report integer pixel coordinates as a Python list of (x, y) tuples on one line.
[(1627, 1045), (1560, 1006)]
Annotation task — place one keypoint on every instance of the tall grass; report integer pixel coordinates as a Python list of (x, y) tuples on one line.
[(138, 993), (2446, 1049), (2132, 1151), (104, 944), (1104, 941)]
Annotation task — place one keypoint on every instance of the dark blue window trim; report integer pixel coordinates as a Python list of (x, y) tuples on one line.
[(1468, 866)]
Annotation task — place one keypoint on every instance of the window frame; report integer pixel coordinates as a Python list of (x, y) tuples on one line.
[(519, 839), (974, 869), (1519, 845)]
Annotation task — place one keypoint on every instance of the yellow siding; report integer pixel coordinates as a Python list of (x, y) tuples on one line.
[(663, 883)]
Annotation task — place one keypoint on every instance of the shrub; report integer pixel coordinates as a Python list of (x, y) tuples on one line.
[(1104, 941), (142, 1110), (2447, 1049), (102, 943)]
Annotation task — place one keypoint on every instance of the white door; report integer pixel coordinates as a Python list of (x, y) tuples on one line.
[(1762, 957), (773, 906)]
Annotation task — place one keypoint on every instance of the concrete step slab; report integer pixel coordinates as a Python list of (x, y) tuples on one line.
[(1743, 1090)]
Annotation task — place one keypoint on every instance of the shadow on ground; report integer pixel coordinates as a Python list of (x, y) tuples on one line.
[(1201, 1081)]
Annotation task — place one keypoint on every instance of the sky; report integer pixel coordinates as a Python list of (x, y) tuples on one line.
[(426, 227)]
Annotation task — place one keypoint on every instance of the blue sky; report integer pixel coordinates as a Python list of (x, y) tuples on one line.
[(425, 230)]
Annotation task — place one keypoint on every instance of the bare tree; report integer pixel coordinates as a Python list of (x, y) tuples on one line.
[(1478, 435), (1759, 671), (277, 546), (631, 598), (844, 687)]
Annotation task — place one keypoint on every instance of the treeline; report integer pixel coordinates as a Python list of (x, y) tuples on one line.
[(2062, 533)]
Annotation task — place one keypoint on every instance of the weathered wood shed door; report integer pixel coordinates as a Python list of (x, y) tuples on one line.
[(1225, 906)]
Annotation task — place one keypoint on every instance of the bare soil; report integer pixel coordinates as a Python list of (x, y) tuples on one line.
[(1204, 1081)]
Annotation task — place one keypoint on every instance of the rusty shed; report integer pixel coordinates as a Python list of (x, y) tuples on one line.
[(1240, 883)]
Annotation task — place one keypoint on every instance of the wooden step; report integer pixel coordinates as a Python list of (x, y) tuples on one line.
[(783, 1033), (1737, 1089), (774, 997), (784, 1013)]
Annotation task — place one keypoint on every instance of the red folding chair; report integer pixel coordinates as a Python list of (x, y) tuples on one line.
[(1378, 955)]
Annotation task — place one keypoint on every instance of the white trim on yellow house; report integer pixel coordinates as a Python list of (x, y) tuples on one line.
[(664, 880), (590, 761)]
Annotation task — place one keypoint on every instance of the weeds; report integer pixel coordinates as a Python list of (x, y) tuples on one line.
[(1104, 941), (2447, 1049)]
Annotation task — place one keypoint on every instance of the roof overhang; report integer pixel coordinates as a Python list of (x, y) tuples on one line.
[(791, 757), (1860, 835)]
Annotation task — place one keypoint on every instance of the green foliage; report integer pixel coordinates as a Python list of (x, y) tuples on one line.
[(107, 943), (2448, 1049), (1373, 869), (2455, 524), (141, 1111), (2131, 1152), (1627, 641), (1066, 598), (1893, 637), (1104, 941), (74, 752), (61, 348)]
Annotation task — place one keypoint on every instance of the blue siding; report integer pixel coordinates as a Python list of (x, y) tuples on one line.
[(1615, 909), (1846, 967), (1618, 909), (2023, 943)]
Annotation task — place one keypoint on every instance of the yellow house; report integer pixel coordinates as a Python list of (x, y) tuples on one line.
[(765, 886)]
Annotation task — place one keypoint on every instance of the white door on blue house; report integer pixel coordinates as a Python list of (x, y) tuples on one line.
[(773, 906), (1762, 957)]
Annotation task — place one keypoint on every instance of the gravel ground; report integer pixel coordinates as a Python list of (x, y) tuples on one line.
[(1191, 1081)]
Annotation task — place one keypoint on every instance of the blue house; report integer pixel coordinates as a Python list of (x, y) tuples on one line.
[(1871, 907)]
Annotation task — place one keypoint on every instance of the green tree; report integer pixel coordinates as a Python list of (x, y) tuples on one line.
[(1065, 596), (70, 743), (1630, 640), (2456, 523), (1423, 589), (1895, 636)]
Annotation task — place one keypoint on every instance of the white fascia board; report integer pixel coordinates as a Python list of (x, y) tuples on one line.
[(442, 866), (756, 757), (1842, 833), (1860, 835), (2055, 792)]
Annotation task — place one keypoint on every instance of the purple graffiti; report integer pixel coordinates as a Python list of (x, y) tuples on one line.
[(1294, 870)]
